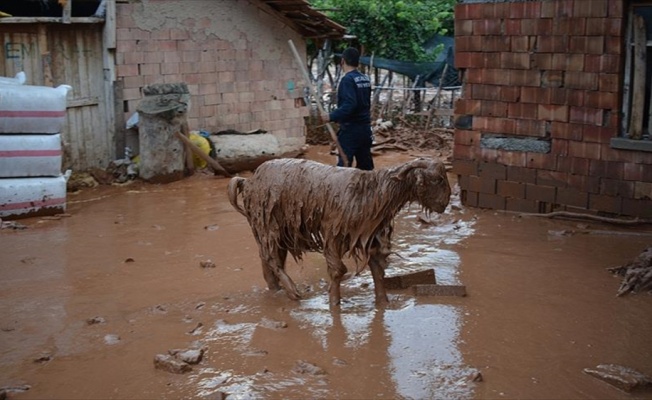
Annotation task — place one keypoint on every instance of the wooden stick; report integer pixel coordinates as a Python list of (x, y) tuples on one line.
[(568, 214), (213, 163), (345, 159)]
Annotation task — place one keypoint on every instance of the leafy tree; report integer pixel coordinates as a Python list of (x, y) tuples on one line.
[(395, 29)]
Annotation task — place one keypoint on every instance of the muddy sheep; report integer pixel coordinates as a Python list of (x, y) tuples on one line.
[(300, 205)]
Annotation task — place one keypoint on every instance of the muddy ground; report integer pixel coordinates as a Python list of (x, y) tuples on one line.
[(540, 307)]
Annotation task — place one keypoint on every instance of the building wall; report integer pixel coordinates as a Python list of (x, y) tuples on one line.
[(233, 55), (541, 102)]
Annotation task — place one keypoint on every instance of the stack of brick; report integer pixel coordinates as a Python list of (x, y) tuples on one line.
[(31, 118), (545, 72)]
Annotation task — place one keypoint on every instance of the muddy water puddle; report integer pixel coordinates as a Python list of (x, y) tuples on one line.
[(540, 306)]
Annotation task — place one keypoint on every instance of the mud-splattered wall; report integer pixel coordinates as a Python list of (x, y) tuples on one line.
[(538, 127), (234, 56)]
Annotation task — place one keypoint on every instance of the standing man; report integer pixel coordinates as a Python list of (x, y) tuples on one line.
[(353, 113)]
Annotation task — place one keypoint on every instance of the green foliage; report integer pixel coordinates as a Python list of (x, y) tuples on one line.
[(395, 29)]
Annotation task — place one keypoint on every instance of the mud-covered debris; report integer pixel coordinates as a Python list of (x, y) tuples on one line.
[(189, 356), (561, 233), (95, 321), (15, 389), (159, 309), (111, 339), (43, 358), (8, 329), (11, 225), (272, 324), (196, 330), (476, 376), (620, 377), (212, 227), (410, 279), (440, 290), (171, 364), (637, 274), (129, 260), (304, 367), (199, 306), (207, 264), (339, 362), (255, 353)]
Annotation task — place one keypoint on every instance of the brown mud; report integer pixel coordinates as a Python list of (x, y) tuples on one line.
[(175, 266)]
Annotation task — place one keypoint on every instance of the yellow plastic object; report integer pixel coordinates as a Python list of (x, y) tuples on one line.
[(203, 144)]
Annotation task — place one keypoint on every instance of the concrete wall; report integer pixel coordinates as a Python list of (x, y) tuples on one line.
[(233, 55), (541, 102)]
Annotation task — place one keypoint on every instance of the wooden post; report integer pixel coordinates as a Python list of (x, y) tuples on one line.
[(46, 57), (67, 11), (119, 119), (640, 56)]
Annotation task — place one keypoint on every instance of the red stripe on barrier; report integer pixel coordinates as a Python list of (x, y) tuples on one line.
[(30, 153), (32, 204), (31, 114)]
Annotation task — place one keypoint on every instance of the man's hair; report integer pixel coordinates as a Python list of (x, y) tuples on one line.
[(351, 56)]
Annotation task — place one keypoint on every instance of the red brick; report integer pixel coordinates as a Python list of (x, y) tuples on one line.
[(551, 178), (576, 97), (542, 161), (468, 43), (492, 171), (487, 155), (563, 130), (585, 115), (523, 44), (604, 203), (613, 187), (521, 205), (509, 93), (569, 26), (581, 80), (584, 150), (512, 158), (514, 60), (614, 45), (495, 43), (491, 201), (597, 134), (500, 10), (559, 8), (559, 147), (637, 172), (494, 108), (568, 62), (551, 112), (523, 175), (587, 44), (572, 197), (552, 44), (583, 183), (461, 152), (532, 128), (609, 83), (473, 75), (540, 193), (604, 26), (465, 167), (463, 181), (573, 165), (467, 138), (522, 110), (626, 156), (127, 70), (487, 27), (590, 8), (522, 77), (552, 79), (607, 169), (638, 208), (512, 27), (603, 63), (469, 198), (523, 10), (511, 189), (461, 11), (500, 125), (616, 8), (482, 185), (495, 77), (468, 107), (484, 92), (463, 27), (541, 61)]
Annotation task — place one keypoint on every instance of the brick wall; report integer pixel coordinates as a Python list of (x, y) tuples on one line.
[(549, 71), (234, 57)]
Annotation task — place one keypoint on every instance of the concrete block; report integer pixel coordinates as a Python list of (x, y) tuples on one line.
[(405, 281)]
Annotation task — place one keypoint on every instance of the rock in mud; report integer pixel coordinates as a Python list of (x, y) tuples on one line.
[(169, 363), (43, 358), (207, 264), (95, 320), (272, 324), (304, 367), (196, 330), (111, 339), (189, 356), (623, 378)]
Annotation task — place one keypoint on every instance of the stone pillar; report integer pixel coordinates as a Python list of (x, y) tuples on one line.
[(162, 112)]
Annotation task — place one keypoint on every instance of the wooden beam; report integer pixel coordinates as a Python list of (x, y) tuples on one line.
[(55, 20), (638, 85), (67, 11)]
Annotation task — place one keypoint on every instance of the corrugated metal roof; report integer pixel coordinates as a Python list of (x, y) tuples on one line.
[(305, 20)]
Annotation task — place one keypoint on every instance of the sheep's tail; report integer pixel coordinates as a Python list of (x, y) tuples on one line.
[(234, 190)]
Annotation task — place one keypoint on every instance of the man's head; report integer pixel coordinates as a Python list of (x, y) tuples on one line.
[(351, 57)]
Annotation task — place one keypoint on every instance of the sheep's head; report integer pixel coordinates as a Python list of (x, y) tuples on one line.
[(431, 188)]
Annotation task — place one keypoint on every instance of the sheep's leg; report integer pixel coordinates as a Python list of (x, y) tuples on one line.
[(275, 275), (377, 264), (336, 270)]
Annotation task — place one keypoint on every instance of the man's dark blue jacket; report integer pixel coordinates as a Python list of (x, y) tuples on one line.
[(353, 99)]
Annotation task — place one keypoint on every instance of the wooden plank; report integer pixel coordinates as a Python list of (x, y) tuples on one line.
[(83, 102), (67, 11), (411, 279), (638, 98), (439, 290), (49, 20), (627, 79), (119, 119)]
